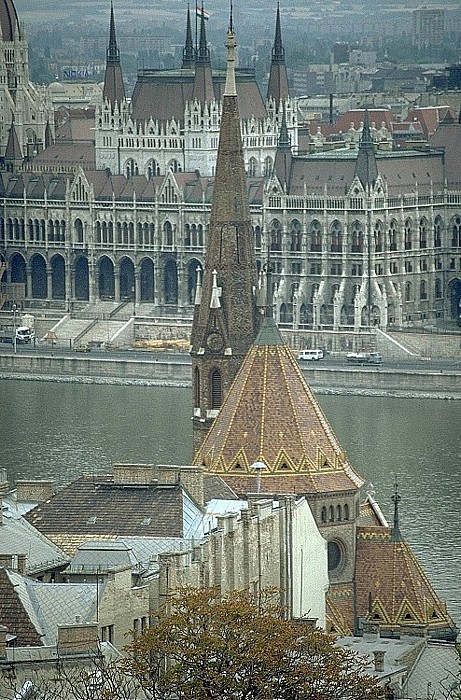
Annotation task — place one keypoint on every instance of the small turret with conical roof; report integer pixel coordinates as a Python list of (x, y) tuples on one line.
[(13, 154), (226, 319), (114, 89), (366, 168), (277, 88)]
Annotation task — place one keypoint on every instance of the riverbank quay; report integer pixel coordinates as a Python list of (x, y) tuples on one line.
[(175, 370)]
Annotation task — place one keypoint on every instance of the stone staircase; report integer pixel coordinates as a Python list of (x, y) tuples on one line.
[(66, 332), (108, 333)]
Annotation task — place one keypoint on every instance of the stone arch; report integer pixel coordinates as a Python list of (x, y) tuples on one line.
[(38, 275), (357, 237), (127, 280), (315, 235), (336, 237), (295, 235), (58, 277), (18, 270), (153, 169), (147, 279), (79, 230), (170, 282), (252, 167), (439, 227), (82, 278), (106, 271), (455, 226), (454, 296), (275, 232)]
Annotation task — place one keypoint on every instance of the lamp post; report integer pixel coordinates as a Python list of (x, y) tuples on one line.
[(15, 308), (258, 467)]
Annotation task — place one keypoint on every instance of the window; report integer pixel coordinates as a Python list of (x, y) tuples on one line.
[(407, 235), (357, 237), (456, 232), (336, 238), (216, 390), (316, 237), (334, 556), (295, 234), (107, 634), (276, 235), (423, 290), (197, 387)]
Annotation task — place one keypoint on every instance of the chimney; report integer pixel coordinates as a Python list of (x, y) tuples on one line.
[(191, 478), (22, 564), (379, 661), (78, 638), (34, 491), (133, 474), (370, 631)]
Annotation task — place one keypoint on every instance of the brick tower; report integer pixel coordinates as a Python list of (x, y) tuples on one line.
[(226, 318)]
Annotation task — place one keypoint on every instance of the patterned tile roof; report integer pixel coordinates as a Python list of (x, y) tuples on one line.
[(270, 415), (392, 588)]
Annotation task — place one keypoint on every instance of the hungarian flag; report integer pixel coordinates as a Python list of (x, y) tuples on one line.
[(201, 11)]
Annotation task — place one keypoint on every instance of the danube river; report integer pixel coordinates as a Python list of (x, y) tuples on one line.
[(58, 430)]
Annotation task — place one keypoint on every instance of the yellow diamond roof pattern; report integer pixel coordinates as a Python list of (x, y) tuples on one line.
[(270, 415)]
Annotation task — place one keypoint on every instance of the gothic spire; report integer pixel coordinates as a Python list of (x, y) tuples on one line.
[(114, 89), (277, 88), (188, 54), (226, 321), (203, 81), (366, 169), (13, 153)]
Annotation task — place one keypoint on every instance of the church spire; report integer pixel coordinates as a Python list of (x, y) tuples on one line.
[(114, 89), (226, 321), (203, 82), (188, 55), (366, 169), (13, 153), (277, 88)]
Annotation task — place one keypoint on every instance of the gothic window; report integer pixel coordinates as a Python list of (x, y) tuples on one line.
[(295, 233), (197, 387), (423, 233), (438, 288), (315, 235), (324, 514), (169, 195), (257, 236), (98, 232), (167, 234), (357, 237), (408, 291), (336, 237), (268, 166), (216, 390), (407, 235), (78, 226), (153, 169), (378, 237), (331, 514), (456, 232), (187, 236), (339, 513), (276, 235), (393, 235), (252, 167), (423, 290), (346, 512), (174, 165), (438, 225)]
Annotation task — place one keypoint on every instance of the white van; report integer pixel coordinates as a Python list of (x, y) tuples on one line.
[(310, 355)]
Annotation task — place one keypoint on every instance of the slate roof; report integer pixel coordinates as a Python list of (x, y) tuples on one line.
[(17, 536), (333, 172), (448, 138), (94, 507), (270, 415), (162, 95), (32, 610), (392, 588)]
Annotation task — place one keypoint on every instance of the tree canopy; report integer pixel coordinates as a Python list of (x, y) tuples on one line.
[(203, 647)]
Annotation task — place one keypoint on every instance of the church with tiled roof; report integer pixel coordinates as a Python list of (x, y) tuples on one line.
[(268, 433)]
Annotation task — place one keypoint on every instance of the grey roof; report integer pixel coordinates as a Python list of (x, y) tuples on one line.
[(17, 536), (436, 671), (102, 556)]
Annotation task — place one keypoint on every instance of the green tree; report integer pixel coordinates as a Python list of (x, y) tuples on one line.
[(205, 648)]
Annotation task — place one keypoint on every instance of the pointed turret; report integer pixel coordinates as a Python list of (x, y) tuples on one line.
[(203, 82), (13, 153), (114, 89), (366, 169), (283, 156), (188, 54), (277, 88), (226, 319)]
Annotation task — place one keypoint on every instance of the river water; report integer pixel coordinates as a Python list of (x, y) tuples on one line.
[(58, 430)]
